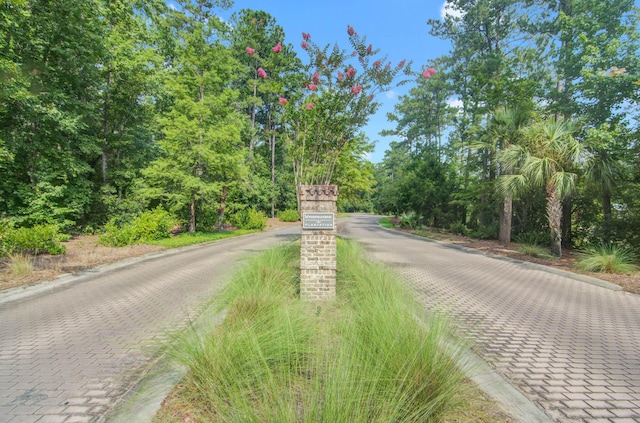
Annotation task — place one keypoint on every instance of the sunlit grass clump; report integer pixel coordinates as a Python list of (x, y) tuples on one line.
[(20, 265), (608, 258), (371, 356), (534, 250)]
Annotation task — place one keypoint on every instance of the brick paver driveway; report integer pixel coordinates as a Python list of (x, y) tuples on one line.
[(571, 347), (67, 355)]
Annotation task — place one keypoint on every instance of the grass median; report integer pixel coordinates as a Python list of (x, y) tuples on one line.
[(372, 355)]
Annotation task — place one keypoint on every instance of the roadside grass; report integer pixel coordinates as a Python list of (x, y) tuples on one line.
[(372, 355), (20, 265), (185, 239), (535, 251), (385, 222), (607, 258)]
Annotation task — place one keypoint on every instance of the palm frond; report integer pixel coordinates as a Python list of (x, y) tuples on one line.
[(511, 185)]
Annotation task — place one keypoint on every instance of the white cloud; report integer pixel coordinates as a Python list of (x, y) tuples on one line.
[(391, 94), (448, 9)]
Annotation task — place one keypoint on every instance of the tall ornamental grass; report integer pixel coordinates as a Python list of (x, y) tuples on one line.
[(608, 258), (371, 356)]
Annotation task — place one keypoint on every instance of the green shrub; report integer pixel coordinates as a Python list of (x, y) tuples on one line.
[(39, 239), (250, 219), (532, 238), (6, 227), (289, 215), (607, 258), (459, 228), (148, 226), (410, 220), (486, 231)]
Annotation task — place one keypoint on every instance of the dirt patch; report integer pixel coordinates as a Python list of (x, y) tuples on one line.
[(83, 252), (628, 282)]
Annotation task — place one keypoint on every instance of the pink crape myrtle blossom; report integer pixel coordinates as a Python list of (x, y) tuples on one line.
[(261, 73), (429, 73), (277, 48), (283, 101), (250, 51), (306, 36), (401, 64), (356, 89), (369, 49), (350, 30), (354, 53), (304, 45), (312, 87), (340, 76), (377, 64), (315, 78), (351, 72), (309, 106)]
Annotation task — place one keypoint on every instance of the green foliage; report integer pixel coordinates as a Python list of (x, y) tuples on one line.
[(486, 231), (532, 238), (288, 215), (608, 258), (274, 358), (148, 226), (410, 220), (459, 228), (39, 239), (250, 219)]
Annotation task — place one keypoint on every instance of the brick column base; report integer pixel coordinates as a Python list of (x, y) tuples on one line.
[(318, 246)]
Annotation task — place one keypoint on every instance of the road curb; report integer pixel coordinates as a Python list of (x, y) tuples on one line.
[(535, 266), (21, 292)]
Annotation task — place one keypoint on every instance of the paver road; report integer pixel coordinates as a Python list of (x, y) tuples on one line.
[(571, 347), (67, 355)]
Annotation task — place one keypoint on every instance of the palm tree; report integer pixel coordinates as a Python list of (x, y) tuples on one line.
[(505, 129), (544, 159)]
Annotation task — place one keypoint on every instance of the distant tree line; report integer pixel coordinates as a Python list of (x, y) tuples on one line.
[(542, 143), (109, 108)]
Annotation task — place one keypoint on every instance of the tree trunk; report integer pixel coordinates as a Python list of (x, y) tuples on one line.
[(253, 115), (606, 211), (105, 129), (554, 215), (223, 200), (192, 214), (506, 213), (567, 212), (273, 174)]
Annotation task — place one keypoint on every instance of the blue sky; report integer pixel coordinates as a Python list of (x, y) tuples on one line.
[(398, 28)]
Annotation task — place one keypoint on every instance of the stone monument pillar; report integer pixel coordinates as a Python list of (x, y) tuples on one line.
[(318, 211)]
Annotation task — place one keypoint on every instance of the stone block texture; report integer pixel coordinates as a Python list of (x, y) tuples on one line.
[(318, 246)]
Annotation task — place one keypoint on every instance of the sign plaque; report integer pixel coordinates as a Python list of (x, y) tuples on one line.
[(317, 221)]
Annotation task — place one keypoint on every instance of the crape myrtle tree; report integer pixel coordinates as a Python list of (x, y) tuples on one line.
[(202, 154), (335, 103)]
